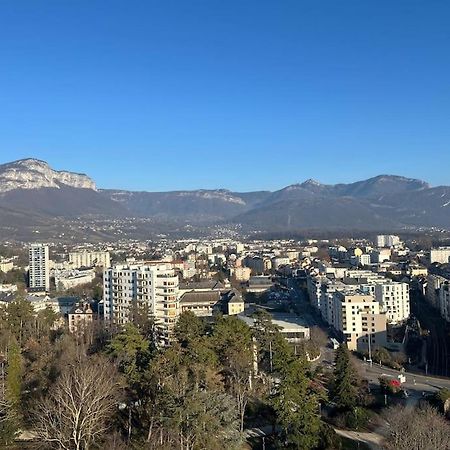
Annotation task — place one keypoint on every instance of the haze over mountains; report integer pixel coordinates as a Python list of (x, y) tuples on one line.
[(32, 193)]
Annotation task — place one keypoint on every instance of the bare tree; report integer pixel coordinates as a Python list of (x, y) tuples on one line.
[(78, 409), (417, 429)]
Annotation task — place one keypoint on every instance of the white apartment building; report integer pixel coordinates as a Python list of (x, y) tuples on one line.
[(387, 240), (391, 297), (380, 255), (358, 319), (39, 268), (440, 255), (6, 265), (69, 279), (89, 259), (394, 300), (363, 260), (154, 286), (444, 301)]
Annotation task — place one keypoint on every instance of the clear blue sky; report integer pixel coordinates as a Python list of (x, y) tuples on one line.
[(182, 94)]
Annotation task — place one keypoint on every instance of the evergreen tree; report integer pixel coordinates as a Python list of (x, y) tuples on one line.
[(345, 387), (188, 328), (132, 352), (10, 394), (14, 376), (297, 408), (266, 334)]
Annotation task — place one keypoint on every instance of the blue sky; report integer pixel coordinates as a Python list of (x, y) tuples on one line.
[(177, 94)]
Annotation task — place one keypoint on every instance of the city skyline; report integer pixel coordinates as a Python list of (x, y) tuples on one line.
[(246, 96)]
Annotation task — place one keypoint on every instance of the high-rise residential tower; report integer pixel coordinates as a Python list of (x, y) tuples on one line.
[(39, 268), (152, 286)]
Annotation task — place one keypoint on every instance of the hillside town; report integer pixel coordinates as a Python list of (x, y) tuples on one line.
[(369, 295)]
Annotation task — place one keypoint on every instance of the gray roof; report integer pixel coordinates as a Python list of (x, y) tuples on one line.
[(200, 297)]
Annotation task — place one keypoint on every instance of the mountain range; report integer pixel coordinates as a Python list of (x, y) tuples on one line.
[(32, 194)]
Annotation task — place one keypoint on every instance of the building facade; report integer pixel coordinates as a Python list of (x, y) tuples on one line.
[(440, 255), (89, 259), (154, 287), (39, 268), (387, 240), (358, 319)]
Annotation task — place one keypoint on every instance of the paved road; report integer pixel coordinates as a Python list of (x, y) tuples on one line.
[(373, 440), (414, 381)]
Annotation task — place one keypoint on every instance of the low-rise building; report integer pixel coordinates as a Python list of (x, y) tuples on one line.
[(440, 255), (259, 284), (80, 317), (6, 265), (87, 258), (201, 303), (69, 279), (234, 302), (242, 273)]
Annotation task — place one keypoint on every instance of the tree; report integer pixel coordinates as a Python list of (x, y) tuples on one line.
[(8, 411), (20, 319), (416, 429), (143, 320), (317, 340), (188, 328), (266, 334), (234, 346), (77, 412), (442, 398), (14, 376), (131, 351), (345, 386), (297, 408), (207, 420)]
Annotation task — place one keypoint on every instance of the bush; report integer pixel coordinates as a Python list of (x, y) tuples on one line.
[(389, 386)]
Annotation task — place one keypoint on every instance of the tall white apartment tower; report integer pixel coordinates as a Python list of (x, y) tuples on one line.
[(39, 268), (153, 286)]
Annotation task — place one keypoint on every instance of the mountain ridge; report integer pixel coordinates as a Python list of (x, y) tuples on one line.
[(32, 187)]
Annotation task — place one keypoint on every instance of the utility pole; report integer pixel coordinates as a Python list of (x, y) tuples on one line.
[(370, 349)]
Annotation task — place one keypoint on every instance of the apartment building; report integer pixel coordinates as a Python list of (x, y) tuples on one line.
[(242, 273), (440, 255), (89, 259), (358, 319), (387, 240), (384, 301), (67, 279), (444, 301), (6, 265), (154, 286), (363, 260), (432, 288), (39, 268), (394, 300), (437, 294)]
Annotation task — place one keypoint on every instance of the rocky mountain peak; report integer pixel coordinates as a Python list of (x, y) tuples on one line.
[(33, 173)]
